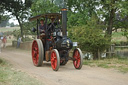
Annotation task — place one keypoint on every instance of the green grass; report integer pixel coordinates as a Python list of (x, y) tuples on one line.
[(4, 29), (120, 64), (11, 76)]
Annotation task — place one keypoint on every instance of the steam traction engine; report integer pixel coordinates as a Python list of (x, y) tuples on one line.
[(53, 44)]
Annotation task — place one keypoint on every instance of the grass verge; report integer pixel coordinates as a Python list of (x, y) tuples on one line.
[(8, 29), (9, 76), (120, 64)]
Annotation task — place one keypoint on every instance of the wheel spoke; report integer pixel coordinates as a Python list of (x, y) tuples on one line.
[(55, 63), (37, 52), (52, 59), (77, 63), (75, 53)]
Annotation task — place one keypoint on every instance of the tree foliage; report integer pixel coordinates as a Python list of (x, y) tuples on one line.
[(43, 6), (4, 20), (86, 18), (18, 9), (90, 37)]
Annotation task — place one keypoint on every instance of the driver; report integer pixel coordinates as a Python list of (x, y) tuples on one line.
[(41, 26), (53, 23)]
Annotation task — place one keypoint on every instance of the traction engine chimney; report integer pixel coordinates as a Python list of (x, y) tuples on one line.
[(64, 21)]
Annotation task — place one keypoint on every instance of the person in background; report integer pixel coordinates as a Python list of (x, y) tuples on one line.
[(4, 42), (0, 45), (18, 42)]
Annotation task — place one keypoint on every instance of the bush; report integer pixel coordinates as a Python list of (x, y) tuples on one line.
[(16, 34), (90, 36), (91, 40)]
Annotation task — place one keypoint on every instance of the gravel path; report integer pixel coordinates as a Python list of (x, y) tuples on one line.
[(67, 75)]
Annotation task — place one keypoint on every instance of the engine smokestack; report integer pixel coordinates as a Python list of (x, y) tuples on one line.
[(64, 21)]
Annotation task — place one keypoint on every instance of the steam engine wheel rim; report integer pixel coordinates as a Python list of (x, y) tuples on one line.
[(55, 60), (35, 52), (78, 59)]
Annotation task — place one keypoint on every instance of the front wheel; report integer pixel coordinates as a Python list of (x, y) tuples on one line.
[(55, 60), (78, 58)]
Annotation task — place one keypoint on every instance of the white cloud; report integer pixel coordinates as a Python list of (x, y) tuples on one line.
[(13, 20)]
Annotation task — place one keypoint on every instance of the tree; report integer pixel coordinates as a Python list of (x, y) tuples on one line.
[(81, 11), (43, 6), (18, 9), (3, 18), (4, 23), (108, 11), (90, 37)]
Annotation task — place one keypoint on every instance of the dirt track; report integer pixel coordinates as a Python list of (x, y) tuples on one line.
[(67, 75)]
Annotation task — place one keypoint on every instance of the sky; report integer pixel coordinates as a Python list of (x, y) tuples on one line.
[(13, 20)]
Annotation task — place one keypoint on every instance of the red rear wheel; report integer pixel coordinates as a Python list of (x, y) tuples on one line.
[(37, 52), (78, 59), (55, 60)]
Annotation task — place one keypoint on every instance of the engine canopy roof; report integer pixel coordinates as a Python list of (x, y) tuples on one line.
[(48, 15)]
